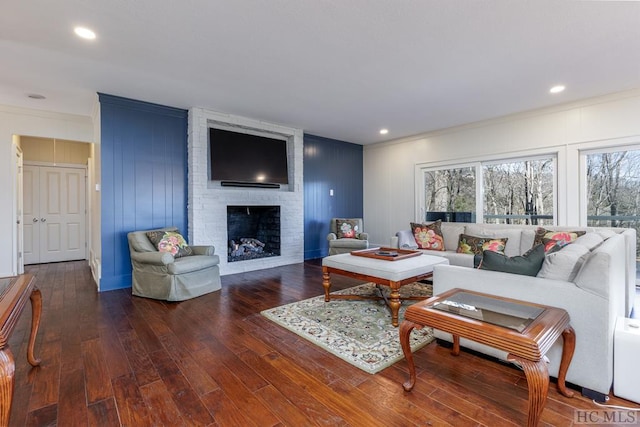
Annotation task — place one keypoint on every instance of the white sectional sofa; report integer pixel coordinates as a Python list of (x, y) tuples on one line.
[(601, 288)]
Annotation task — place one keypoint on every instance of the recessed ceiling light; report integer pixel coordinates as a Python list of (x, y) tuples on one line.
[(36, 96), (85, 33), (384, 131), (557, 89)]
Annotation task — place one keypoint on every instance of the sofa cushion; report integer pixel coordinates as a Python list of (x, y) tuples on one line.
[(605, 234), (604, 267), (527, 238), (347, 228), (451, 232), (468, 244), (171, 242), (565, 263), (428, 236), (527, 264), (590, 240), (193, 263)]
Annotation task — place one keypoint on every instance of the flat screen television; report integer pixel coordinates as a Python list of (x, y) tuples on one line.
[(240, 159)]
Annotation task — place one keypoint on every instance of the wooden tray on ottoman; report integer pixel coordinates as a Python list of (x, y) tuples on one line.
[(389, 254)]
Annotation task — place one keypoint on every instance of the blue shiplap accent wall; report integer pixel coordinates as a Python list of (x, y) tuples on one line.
[(329, 164), (143, 152)]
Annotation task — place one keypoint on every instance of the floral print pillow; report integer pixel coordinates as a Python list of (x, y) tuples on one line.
[(551, 239), (474, 245), (347, 228), (171, 242), (428, 236)]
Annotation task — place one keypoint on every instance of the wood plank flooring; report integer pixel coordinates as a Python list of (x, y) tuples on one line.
[(111, 359)]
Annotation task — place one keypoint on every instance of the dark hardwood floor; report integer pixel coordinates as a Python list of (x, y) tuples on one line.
[(111, 359)]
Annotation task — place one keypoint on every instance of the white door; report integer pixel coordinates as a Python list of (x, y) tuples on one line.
[(54, 214), (31, 214), (19, 202)]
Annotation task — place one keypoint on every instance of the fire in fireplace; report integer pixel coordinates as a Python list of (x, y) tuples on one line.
[(253, 232)]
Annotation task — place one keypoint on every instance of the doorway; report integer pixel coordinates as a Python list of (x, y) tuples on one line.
[(54, 213)]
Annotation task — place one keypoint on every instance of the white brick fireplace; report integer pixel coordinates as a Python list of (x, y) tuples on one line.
[(208, 201)]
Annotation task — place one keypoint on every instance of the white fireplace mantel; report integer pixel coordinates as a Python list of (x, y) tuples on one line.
[(207, 203)]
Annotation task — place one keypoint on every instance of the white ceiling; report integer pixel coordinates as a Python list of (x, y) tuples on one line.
[(335, 68)]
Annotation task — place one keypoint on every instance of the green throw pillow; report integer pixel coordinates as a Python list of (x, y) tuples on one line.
[(527, 264)]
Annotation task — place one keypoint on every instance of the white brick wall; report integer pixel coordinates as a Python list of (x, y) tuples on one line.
[(207, 203)]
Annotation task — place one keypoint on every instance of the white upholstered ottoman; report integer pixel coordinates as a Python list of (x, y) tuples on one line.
[(393, 274)]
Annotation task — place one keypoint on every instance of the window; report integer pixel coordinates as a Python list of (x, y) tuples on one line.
[(613, 189), (450, 194), (519, 192), (513, 191)]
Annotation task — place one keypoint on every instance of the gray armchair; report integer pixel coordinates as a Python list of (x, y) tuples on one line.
[(160, 275), (350, 226)]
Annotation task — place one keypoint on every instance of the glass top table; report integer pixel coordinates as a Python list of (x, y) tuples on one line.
[(524, 330), (508, 314)]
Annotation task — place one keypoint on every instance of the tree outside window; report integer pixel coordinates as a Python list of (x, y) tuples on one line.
[(450, 194), (519, 192), (613, 190)]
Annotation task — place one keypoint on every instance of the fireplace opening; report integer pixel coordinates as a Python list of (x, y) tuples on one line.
[(253, 232)]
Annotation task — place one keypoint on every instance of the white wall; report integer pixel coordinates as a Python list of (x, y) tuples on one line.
[(389, 168), (22, 121), (94, 200)]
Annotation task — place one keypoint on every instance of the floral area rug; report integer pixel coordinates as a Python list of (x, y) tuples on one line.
[(357, 331)]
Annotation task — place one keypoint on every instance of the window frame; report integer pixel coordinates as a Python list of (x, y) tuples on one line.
[(582, 159), (423, 168)]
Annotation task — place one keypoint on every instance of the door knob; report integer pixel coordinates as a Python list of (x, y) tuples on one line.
[(35, 219), (43, 219)]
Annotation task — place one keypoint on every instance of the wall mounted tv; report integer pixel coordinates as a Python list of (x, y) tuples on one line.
[(246, 160)]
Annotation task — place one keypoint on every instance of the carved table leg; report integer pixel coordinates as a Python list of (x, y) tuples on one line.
[(7, 371), (326, 284), (405, 331), (568, 347), (537, 376), (394, 303), (36, 310)]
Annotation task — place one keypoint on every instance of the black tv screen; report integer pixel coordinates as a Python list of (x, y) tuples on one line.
[(246, 158)]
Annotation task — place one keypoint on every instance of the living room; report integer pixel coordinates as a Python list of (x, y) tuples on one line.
[(383, 179)]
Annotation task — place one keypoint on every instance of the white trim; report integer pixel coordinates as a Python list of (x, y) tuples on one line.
[(55, 164)]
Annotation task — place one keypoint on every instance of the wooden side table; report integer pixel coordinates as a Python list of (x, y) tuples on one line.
[(14, 293), (524, 330)]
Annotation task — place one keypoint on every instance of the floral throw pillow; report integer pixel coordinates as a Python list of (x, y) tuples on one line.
[(347, 228), (474, 245), (170, 241), (551, 239), (428, 236)]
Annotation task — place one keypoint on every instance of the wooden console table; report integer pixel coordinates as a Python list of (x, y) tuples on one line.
[(14, 292)]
